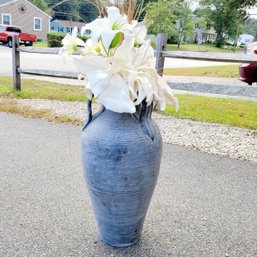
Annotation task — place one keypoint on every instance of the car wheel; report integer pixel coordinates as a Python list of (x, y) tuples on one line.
[(29, 44), (9, 43)]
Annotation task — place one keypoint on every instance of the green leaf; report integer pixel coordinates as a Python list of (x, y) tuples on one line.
[(115, 40)]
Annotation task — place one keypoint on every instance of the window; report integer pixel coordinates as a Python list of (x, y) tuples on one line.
[(13, 29), (6, 19), (87, 32), (1, 28), (37, 23)]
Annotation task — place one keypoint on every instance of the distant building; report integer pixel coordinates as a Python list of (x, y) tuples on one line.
[(245, 39), (64, 26), (27, 16), (204, 35)]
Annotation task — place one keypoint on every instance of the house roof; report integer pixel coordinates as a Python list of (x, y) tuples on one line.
[(3, 2), (71, 24)]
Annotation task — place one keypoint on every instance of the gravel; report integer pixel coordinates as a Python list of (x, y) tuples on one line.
[(217, 139)]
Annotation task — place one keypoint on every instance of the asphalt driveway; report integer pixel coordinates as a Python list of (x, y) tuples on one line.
[(204, 205)]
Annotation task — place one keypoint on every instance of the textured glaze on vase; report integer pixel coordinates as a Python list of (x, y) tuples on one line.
[(121, 155)]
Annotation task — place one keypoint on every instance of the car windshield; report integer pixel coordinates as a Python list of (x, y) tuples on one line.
[(13, 29)]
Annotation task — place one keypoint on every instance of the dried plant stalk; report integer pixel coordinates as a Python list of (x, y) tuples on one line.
[(131, 9), (121, 8)]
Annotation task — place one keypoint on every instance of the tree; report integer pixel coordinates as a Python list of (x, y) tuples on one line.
[(224, 16), (185, 24), (160, 17), (42, 5), (77, 10), (242, 3)]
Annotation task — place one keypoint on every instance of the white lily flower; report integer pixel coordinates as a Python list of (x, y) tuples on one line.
[(96, 27), (115, 19), (70, 42), (117, 63), (139, 32)]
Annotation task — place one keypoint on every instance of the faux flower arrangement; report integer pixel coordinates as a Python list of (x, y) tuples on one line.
[(118, 64)]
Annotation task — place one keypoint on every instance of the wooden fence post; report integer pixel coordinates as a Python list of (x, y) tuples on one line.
[(16, 63), (161, 46)]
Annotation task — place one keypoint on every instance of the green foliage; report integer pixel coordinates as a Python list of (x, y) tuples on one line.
[(42, 5), (185, 25), (225, 16), (116, 40), (76, 10), (160, 17), (65, 10), (55, 39), (242, 3)]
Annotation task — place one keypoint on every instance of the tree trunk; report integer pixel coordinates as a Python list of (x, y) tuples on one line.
[(180, 35), (235, 43)]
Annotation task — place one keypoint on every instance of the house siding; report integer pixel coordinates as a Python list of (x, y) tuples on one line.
[(26, 20)]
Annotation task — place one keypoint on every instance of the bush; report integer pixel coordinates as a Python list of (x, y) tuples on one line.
[(55, 39), (172, 39)]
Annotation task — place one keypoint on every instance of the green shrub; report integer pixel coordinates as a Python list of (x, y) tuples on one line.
[(54, 39)]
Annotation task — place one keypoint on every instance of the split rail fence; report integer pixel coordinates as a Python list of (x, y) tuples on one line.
[(161, 54)]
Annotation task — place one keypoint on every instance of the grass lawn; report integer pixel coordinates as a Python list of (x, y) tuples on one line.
[(32, 89), (215, 110), (202, 48), (40, 44), (225, 71)]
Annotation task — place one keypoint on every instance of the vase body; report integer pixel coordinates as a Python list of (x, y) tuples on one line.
[(121, 155)]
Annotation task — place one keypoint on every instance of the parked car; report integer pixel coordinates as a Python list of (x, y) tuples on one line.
[(248, 71), (7, 31)]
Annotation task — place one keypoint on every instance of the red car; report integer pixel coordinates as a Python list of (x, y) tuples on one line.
[(7, 31), (248, 71)]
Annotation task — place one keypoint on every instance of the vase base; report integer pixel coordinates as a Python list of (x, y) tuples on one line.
[(119, 244)]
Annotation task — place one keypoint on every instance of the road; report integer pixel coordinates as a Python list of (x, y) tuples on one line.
[(55, 62), (203, 206)]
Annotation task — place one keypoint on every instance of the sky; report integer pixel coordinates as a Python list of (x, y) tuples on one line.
[(253, 11)]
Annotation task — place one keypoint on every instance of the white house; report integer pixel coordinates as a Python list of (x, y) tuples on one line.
[(64, 26), (27, 16), (245, 39)]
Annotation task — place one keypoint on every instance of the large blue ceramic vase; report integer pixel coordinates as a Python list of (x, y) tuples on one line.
[(121, 155)]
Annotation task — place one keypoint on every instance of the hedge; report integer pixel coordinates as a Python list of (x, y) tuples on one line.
[(55, 39)]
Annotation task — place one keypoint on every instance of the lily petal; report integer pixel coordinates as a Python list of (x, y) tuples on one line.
[(97, 81), (107, 37), (116, 96), (75, 32), (113, 13), (90, 63)]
